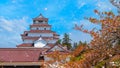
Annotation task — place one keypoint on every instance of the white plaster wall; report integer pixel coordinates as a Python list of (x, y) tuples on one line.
[(47, 58), (36, 22), (52, 41), (47, 28), (40, 22), (33, 28), (40, 34), (56, 36), (44, 22), (28, 41), (39, 44), (56, 48), (40, 28)]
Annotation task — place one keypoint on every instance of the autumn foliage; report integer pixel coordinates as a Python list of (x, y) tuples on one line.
[(104, 48), (105, 45)]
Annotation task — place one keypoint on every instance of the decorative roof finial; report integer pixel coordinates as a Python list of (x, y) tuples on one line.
[(40, 16)]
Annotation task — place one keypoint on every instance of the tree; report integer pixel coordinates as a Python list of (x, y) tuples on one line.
[(104, 45), (82, 43), (59, 41), (57, 59), (75, 45), (105, 40), (66, 41)]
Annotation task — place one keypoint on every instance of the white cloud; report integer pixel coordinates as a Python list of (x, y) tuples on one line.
[(13, 1), (12, 7), (101, 5), (104, 6), (16, 1), (87, 24), (10, 25), (77, 36), (45, 8), (81, 4), (70, 33), (10, 31), (5, 24), (6, 28)]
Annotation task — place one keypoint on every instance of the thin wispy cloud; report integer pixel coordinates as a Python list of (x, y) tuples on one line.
[(104, 6), (10, 31)]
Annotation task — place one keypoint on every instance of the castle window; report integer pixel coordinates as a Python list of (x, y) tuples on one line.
[(41, 57), (40, 21), (37, 28), (33, 20), (44, 22), (26, 34), (44, 28), (32, 44)]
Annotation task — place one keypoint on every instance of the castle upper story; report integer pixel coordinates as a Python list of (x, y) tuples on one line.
[(40, 34)]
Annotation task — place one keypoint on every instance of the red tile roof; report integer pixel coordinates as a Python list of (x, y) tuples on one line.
[(19, 54), (40, 17), (56, 35), (36, 38), (50, 45), (25, 45), (43, 19), (40, 25), (39, 31), (59, 45)]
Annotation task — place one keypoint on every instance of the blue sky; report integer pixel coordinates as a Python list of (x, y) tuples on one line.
[(16, 16)]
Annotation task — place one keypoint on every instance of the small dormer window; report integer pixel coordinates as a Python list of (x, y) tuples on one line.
[(37, 28), (44, 28), (40, 21), (33, 20), (26, 34), (36, 21), (44, 22)]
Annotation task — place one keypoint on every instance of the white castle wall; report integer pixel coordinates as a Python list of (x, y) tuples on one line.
[(31, 41), (40, 22), (28, 41), (40, 28), (52, 41), (40, 34)]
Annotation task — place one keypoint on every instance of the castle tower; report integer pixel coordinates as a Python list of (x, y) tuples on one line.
[(39, 35)]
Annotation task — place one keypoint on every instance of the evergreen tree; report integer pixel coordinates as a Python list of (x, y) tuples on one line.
[(75, 45), (59, 41), (66, 41), (82, 43)]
